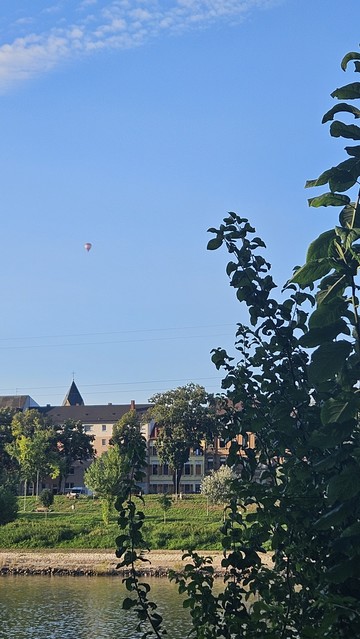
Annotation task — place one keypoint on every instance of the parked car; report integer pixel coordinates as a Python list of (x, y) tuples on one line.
[(74, 493)]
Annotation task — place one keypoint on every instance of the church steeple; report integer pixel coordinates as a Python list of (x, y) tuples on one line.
[(73, 397)]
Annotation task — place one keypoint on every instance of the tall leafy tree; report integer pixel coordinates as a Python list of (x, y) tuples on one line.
[(9, 469), (35, 456), (105, 476), (183, 417), (33, 446), (72, 445), (127, 424)]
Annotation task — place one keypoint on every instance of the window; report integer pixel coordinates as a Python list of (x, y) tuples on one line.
[(198, 489), (72, 471), (222, 443), (188, 469), (88, 428), (210, 463), (103, 442), (153, 451), (103, 427), (165, 469), (198, 469), (154, 469)]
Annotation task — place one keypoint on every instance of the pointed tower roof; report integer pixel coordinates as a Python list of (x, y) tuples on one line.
[(73, 397)]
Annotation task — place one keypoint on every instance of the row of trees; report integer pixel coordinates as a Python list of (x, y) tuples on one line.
[(33, 447)]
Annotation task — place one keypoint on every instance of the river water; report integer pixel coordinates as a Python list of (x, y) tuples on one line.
[(45, 607)]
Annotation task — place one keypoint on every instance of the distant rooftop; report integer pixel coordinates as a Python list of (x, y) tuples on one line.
[(17, 402)]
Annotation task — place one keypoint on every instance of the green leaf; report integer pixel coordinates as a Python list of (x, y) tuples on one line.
[(347, 92), (317, 336), (215, 243), (352, 55), (128, 603), (320, 181), (311, 271), (230, 268), (320, 247), (340, 108), (341, 130), (353, 150), (332, 517), (342, 572), (334, 287), (327, 314), (341, 181), (329, 199), (328, 360), (344, 486), (339, 410), (350, 216)]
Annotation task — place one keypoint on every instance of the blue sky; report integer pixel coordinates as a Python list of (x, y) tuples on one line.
[(136, 125)]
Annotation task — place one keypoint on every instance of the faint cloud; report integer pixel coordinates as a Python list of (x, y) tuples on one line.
[(116, 24), (25, 20)]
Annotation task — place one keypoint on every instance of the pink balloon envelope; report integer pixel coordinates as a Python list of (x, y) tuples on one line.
[(87, 246)]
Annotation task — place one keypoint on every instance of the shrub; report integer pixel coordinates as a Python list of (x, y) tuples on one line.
[(46, 498), (8, 506)]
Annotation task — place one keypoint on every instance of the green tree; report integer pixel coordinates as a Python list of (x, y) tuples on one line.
[(72, 445), (105, 476), (218, 486), (9, 469), (297, 381), (128, 424), (8, 505), (28, 422), (35, 456), (184, 417), (46, 498), (165, 502)]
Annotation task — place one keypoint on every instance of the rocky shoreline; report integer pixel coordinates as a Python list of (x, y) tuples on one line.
[(91, 563)]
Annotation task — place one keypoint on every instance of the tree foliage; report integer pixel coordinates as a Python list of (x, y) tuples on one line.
[(46, 497), (8, 505), (297, 380), (104, 477), (32, 446), (72, 445), (165, 502), (184, 417), (218, 486), (128, 423), (9, 469)]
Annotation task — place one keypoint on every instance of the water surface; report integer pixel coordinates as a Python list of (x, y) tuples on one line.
[(46, 607)]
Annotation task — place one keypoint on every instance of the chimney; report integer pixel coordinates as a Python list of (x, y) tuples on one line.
[(132, 404)]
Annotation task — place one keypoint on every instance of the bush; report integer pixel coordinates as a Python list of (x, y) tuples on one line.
[(8, 506), (46, 497)]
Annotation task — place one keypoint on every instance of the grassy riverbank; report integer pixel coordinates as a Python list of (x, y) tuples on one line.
[(188, 523)]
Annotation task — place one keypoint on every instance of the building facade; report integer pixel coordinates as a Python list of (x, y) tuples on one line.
[(98, 421)]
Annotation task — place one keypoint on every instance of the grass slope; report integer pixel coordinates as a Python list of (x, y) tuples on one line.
[(187, 525)]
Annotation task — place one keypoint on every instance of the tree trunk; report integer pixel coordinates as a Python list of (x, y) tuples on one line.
[(177, 474)]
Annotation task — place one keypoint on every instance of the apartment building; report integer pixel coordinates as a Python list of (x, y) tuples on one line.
[(98, 421)]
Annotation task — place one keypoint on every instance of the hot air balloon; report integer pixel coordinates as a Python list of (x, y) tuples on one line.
[(87, 246)]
